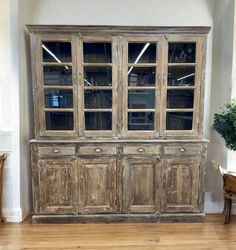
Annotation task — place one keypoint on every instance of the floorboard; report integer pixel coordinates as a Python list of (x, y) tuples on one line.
[(175, 236)]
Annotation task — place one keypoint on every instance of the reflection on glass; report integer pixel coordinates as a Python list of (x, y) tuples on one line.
[(180, 98), (181, 76), (141, 120), (59, 120), (97, 76), (182, 52), (97, 52), (55, 98), (141, 99), (142, 53), (98, 120), (141, 76), (179, 120), (95, 99), (56, 52), (57, 75)]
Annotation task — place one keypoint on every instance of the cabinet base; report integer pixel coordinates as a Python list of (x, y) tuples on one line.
[(119, 218)]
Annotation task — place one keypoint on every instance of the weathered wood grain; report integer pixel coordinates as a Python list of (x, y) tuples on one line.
[(120, 174)]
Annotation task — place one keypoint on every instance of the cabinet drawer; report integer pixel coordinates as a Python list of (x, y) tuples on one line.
[(141, 150), (43, 151), (182, 150), (99, 150)]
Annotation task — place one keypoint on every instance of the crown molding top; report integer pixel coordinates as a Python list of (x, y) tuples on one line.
[(202, 30)]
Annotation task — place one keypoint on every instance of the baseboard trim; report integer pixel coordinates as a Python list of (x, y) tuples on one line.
[(119, 218), (12, 215)]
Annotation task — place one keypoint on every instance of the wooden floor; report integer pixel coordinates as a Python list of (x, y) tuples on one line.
[(175, 236)]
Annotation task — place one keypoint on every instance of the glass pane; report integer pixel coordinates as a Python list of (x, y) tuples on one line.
[(140, 120), (97, 52), (56, 52), (98, 120), (141, 76), (182, 52), (59, 121), (57, 75), (141, 99), (181, 76), (142, 52), (180, 98), (55, 98), (97, 76), (97, 99), (179, 120)]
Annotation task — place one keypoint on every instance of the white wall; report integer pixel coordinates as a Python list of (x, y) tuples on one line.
[(5, 83), (223, 33), (124, 12)]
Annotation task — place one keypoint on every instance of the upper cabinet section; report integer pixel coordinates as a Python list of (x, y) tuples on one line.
[(122, 82)]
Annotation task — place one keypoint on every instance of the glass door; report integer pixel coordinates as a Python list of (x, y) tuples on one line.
[(142, 70), (182, 86), (57, 88), (98, 84)]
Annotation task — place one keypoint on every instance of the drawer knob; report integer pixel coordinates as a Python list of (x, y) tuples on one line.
[(141, 150), (158, 157), (56, 150), (98, 150), (182, 150)]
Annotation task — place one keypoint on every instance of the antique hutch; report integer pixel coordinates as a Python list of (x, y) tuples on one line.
[(118, 123)]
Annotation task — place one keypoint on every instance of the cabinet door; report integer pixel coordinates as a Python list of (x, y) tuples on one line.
[(98, 69), (98, 185), (56, 92), (182, 85), (181, 185), (56, 186), (142, 57), (141, 192)]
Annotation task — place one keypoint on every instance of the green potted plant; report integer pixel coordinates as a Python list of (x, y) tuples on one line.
[(225, 124)]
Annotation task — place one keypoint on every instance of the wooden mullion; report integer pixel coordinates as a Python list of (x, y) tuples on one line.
[(180, 110), (181, 64), (57, 87), (98, 88), (97, 64), (141, 110), (140, 87), (80, 76), (97, 110), (59, 109), (181, 87), (145, 65), (57, 64), (124, 88)]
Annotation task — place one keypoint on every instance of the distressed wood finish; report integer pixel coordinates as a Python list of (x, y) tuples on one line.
[(120, 174), (141, 185), (97, 185), (57, 187), (181, 185)]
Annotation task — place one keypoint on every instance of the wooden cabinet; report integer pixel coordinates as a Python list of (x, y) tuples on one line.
[(141, 185), (118, 123)]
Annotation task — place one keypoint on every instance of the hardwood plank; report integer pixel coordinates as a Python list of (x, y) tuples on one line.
[(179, 236)]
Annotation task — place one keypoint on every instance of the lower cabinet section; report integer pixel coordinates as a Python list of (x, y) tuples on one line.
[(97, 185), (57, 186), (141, 179), (127, 185), (181, 184)]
